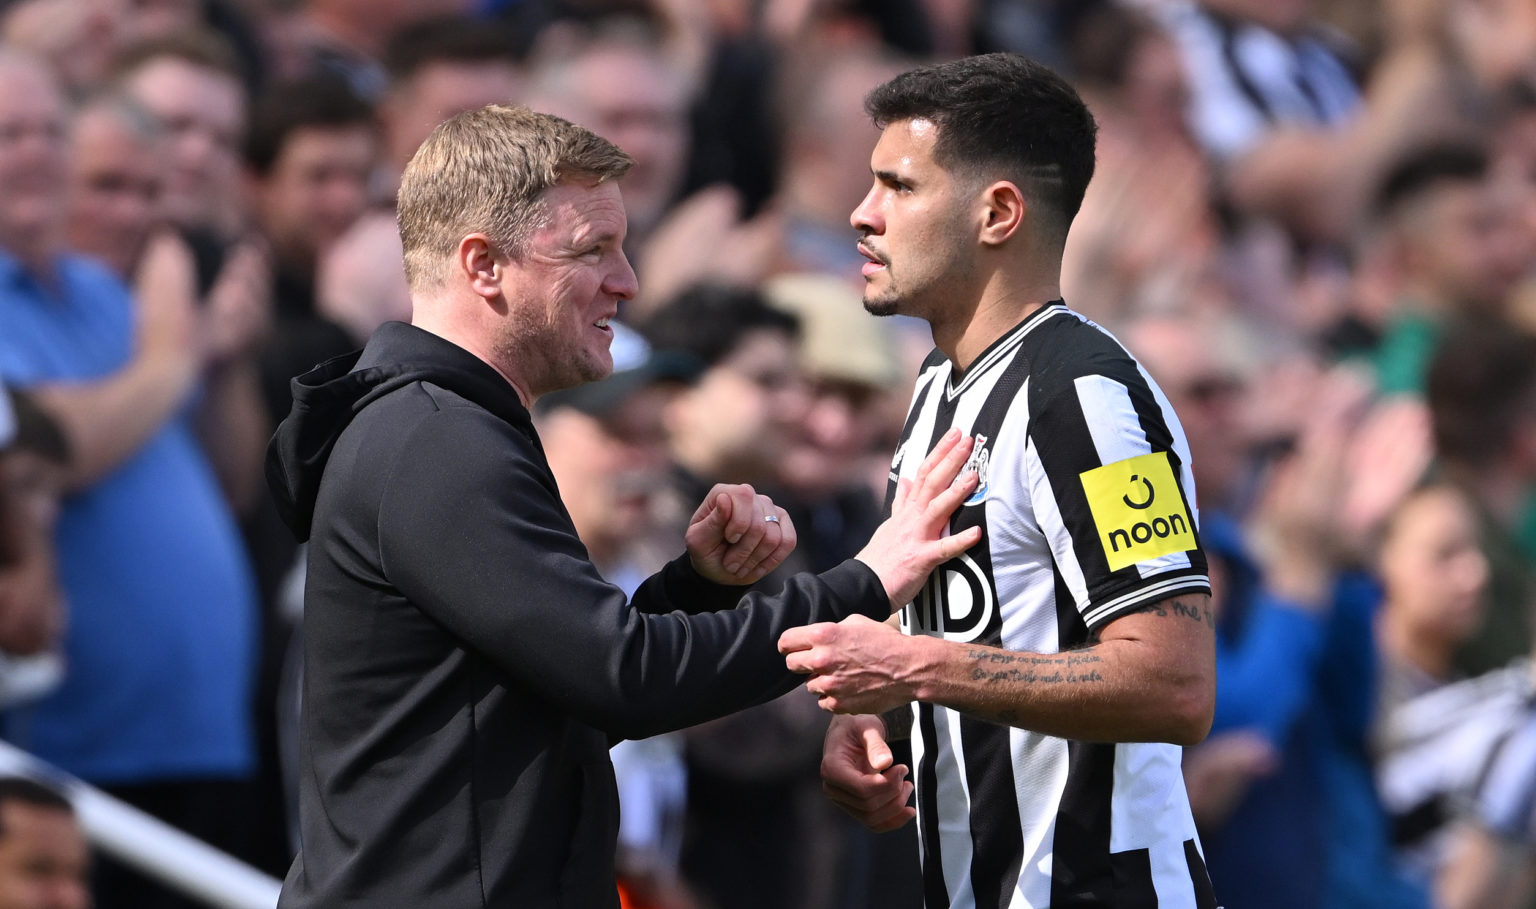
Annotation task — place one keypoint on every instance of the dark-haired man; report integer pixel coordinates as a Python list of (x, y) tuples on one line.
[(1455, 247), (44, 858), (1058, 665), (310, 152)]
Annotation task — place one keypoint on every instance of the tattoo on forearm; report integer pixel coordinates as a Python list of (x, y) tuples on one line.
[(998, 667)]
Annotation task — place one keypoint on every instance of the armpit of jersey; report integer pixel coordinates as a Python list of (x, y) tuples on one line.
[(1138, 509)]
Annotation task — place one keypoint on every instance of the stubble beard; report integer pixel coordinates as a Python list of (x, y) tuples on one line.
[(882, 303), (549, 360)]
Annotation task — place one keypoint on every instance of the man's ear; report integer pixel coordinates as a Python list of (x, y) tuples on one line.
[(1003, 211), (479, 261)]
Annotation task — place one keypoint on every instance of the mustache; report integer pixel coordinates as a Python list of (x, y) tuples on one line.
[(873, 253)]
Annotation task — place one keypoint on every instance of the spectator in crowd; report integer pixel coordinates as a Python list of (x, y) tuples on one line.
[(156, 704), (607, 446), (116, 176), (436, 70), (348, 38), (825, 138), (1489, 854), (33, 614), (615, 76), (310, 153), (45, 861), (835, 462), (1482, 402), (1433, 576), (1275, 102), (78, 39), (192, 83), (1437, 735), (1150, 172), (1457, 760), (1456, 251), (737, 419), (115, 179)]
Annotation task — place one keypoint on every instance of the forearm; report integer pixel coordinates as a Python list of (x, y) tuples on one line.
[(233, 428), (1124, 689), (108, 420), (1102, 693)]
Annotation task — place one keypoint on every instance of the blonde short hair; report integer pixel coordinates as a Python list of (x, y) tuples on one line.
[(485, 170)]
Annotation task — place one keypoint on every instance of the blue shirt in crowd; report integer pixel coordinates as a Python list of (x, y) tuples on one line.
[(161, 646)]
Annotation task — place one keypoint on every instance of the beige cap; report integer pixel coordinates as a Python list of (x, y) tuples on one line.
[(838, 339)]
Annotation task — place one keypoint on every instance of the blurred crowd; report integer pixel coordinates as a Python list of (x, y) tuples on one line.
[(1314, 223)]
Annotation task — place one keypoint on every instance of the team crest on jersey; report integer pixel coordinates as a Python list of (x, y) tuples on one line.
[(1138, 509), (980, 461)]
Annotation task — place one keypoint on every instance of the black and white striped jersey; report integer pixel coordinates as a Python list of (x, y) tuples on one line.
[(1088, 512), (1462, 751), (1246, 80)]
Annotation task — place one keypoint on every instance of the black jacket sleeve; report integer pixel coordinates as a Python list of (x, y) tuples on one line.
[(677, 586), (472, 532)]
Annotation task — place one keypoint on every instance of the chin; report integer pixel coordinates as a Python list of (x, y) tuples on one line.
[(887, 305)]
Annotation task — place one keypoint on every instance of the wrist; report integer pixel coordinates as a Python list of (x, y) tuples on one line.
[(925, 656), (898, 723)]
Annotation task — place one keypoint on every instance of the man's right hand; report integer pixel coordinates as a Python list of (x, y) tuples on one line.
[(911, 543), (859, 776)]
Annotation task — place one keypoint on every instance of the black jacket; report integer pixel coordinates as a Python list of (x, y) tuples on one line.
[(466, 666)]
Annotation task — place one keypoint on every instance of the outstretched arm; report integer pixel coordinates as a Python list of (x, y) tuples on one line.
[(1150, 676)]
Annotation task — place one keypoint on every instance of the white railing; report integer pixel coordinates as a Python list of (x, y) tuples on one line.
[(150, 845)]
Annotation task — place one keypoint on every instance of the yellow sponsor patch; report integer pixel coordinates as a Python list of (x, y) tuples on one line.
[(1138, 509)]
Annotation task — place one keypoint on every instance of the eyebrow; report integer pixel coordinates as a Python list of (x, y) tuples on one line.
[(890, 176), (595, 238)]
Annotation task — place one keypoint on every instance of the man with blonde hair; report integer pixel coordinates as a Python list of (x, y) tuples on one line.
[(467, 667)]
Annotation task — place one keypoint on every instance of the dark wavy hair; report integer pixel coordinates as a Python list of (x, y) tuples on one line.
[(1000, 115)]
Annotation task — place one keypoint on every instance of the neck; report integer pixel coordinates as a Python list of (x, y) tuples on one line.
[(1414, 647), (439, 319), (35, 251), (1002, 305)]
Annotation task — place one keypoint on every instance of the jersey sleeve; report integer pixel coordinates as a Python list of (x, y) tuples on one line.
[(1109, 473)]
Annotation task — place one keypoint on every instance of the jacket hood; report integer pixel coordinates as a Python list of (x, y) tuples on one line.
[(328, 397)]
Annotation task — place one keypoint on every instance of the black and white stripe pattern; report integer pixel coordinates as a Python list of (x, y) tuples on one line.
[(1246, 80), (1463, 750), (1008, 817)]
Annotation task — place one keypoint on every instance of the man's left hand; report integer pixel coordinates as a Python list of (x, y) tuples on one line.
[(737, 536), (856, 665)]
